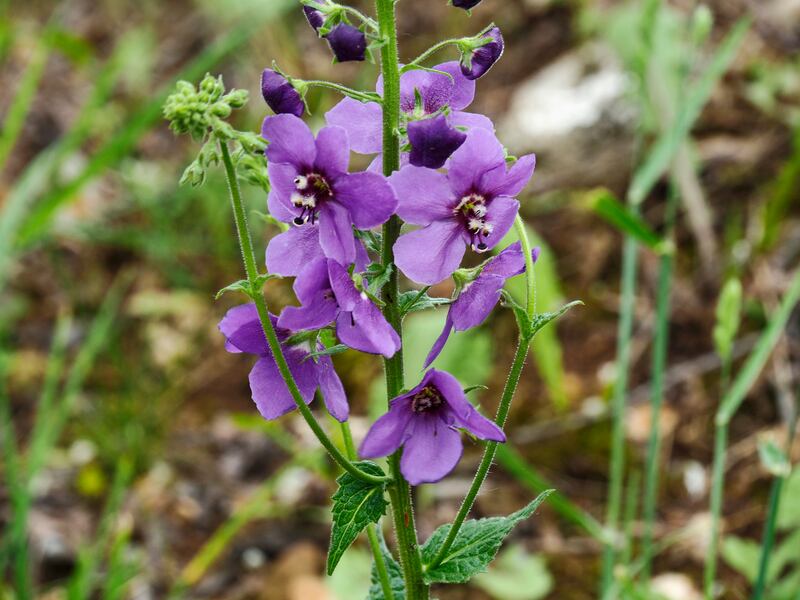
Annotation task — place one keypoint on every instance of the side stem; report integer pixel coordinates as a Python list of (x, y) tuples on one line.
[(248, 256)]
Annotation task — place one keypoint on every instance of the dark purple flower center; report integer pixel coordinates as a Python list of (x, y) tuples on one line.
[(310, 190), (426, 400), (472, 209)]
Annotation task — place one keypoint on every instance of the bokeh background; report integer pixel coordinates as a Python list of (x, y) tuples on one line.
[(148, 473)]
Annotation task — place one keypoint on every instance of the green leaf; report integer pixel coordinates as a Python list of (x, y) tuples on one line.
[(475, 545), (378, 275), (356, 504), (372, 240), (412, 301), (729, 309), (789, 513), (523, 321), (542, 319), (773, 458), (395, 575), (621, 217), (516, 575), (243, 285), (472, 388), (743, 555), (337, 349)]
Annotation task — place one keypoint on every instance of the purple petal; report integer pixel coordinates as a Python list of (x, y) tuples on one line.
[(435, 89), (336, 233), (465, 414), (314, 17), (388, 432), (318, 312), (367, 330), (368, 197), (312, 280), (290, 141), (483, 58), (508, 263), (470, 120), (463, 90), (440, 342), (347, 42), (279, 94), (465, 4), (481, 152), (431, 254), (517, 177), (363, 123), (332, 390), (291, 251), (501, 214), (423, 195), (347, 295), (431, 451), (433, 141), (242, 328), (269, 391), (333, 151), (281, 179)]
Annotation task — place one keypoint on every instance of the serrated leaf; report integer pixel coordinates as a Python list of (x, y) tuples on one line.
[(378, 275), (356, 504), (243, 285), (542, 319), (774, 459), (394, 571), (413, 301), (475, 546)]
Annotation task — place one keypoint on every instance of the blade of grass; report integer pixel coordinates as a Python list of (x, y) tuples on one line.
[(624, 220), (140, 123)]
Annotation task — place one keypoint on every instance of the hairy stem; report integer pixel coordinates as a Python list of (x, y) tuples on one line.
[(505, 401), (399, 491), (248, 256)]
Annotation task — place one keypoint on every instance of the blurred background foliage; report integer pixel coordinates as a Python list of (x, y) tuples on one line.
[(133, 462)]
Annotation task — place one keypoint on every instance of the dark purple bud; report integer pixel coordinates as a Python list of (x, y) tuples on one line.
[(466, 4), (347, 42), (315, 17), (279, 94), (475, 63), (433, 141)]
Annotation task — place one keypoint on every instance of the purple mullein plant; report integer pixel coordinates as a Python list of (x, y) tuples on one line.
[(328, 294), (472, 206), (479, 296), (280, 95), (309, 183), (481, 56), (243, 333), (425, 423), (424, 96)]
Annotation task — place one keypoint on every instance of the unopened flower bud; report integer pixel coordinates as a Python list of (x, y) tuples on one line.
[(479, 56), (280, 94)]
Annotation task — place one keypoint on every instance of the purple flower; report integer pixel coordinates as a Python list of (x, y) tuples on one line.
[(465, 4), (480, 295), (309, 183), (433, 141), (279, 94), (424, 422), (242, 329), (363, 121), (472, 205), (327, 293), (347, 42), (479, 60), (290, 252)]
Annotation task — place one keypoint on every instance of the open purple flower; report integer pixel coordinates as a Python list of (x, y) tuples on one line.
[(347, 42), (437, 91), (309, 183), (280, 95), (479, 60), (481, 295), (472, 205), (327, 293), (424, 421), (242, 329)]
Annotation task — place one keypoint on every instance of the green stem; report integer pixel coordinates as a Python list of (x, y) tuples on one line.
[(617, 461), (342, 89), (399, 491), (505, 401), (660, 350), (433, 50), (248, 256), (717, 484), (769, 538), (372, 536)]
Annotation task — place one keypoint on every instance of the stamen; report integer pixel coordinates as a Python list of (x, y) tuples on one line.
[(427, 399)]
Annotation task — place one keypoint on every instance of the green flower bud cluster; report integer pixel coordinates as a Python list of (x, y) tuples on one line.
[(197, 111)]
